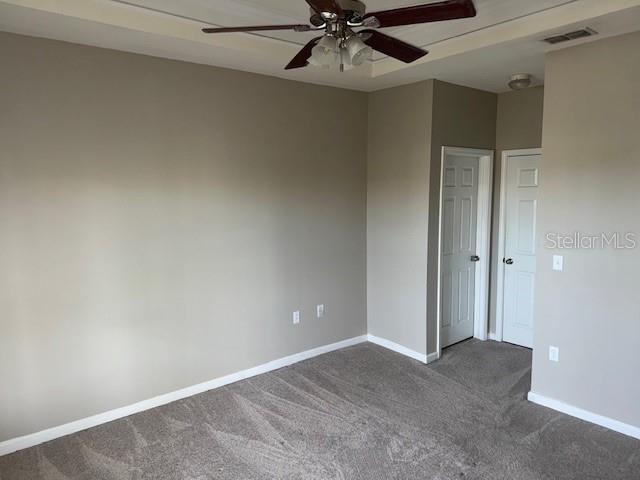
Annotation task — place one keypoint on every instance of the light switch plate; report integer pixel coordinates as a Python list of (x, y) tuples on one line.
[(554, 354), (320, 311), (296, 317), (558, 263)]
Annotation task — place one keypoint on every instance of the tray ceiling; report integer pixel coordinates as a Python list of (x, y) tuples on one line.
[(227, 13), (481, 52)]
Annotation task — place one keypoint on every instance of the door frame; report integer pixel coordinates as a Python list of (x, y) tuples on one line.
[(502, 232), (483, 239)]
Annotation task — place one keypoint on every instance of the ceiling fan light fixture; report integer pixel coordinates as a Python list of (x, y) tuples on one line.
[(325, 52), (339, 18)]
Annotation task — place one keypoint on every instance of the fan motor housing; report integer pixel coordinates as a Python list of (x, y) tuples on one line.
[(353, 10)]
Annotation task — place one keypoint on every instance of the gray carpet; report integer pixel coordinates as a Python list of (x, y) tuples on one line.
[(360, 413)]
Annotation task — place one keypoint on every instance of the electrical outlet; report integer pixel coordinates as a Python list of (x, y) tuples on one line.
[(296, 317), (558, 263), (320, 311), (554, 354)]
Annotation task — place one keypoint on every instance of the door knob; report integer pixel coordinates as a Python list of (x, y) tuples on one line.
[(475, 258), (508, 261)]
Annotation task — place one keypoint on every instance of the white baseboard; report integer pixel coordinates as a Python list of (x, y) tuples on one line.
[(20, 443), (586, 415), (383, 342), (494, 337), (432, 357)]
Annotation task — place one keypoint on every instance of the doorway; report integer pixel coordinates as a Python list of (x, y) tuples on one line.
[(516, 263), (463, 248)]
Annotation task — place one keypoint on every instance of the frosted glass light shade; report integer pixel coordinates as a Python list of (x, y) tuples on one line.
[(358, 51), (325, 53)]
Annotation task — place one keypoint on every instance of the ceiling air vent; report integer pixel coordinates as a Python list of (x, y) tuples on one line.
[(567, 37)]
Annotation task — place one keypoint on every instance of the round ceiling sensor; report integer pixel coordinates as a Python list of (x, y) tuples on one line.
[(520, 81)]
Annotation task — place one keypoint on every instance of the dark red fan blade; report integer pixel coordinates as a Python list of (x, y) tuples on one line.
[(392, 46), (302, 58), (326, 6), (432, 12), (261, 28)]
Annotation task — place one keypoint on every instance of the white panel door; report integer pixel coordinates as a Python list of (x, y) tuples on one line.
[(520, 248), (458, 247)]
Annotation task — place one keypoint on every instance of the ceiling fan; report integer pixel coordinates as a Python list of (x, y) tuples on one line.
[(341, 44)]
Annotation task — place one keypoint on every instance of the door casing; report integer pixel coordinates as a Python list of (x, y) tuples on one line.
[(483, 238), (502, 231)]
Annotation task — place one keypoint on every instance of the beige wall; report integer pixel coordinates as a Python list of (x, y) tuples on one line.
[(462, 117), (408, 126), (397, 203), (160, 221), (589, 183), (519, 126), (154, 235)]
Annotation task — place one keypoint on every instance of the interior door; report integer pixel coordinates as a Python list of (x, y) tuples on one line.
[(520, 248), (458, 247)]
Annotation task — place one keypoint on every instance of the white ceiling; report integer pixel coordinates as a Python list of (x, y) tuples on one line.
[(480, 52), (264, 12)]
